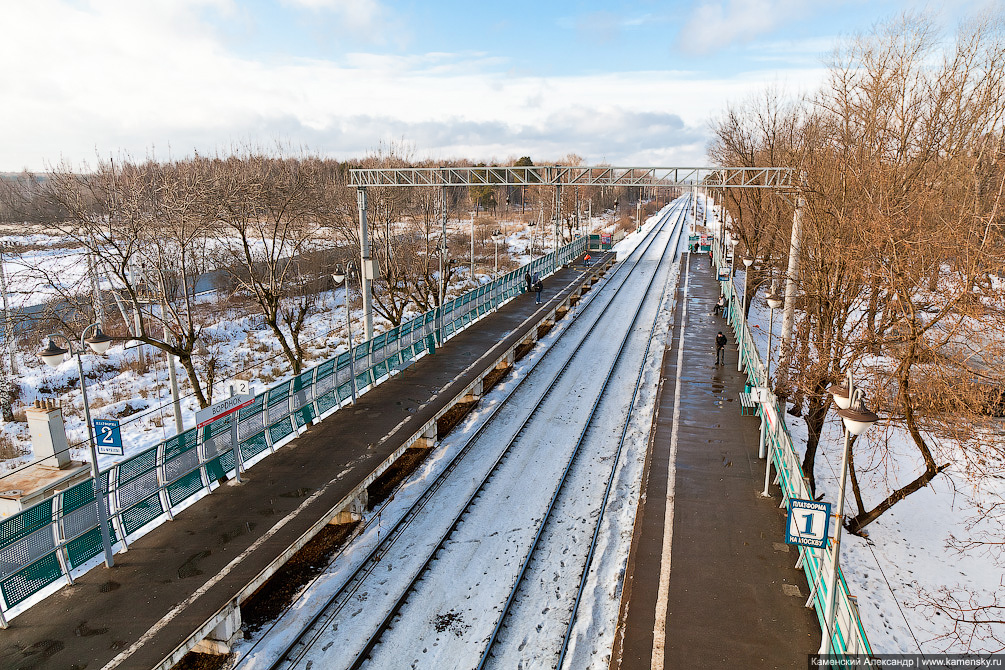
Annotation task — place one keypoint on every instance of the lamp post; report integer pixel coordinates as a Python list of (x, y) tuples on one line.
[(774, 302), (857, 419), (339, 276), (53, 356), (747, 262), (496, 235)]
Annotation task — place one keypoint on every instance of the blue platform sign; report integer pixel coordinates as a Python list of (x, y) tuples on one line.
[(808, 523), (108, 437)]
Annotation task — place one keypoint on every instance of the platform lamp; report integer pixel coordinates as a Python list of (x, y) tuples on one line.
[(774, 302), (53, 356), (857, 419), (342, 275)]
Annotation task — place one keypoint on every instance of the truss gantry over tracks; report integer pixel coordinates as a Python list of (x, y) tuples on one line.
[(574, 175)]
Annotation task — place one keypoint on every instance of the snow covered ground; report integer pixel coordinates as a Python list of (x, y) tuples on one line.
[(907, 553), (141, 399)]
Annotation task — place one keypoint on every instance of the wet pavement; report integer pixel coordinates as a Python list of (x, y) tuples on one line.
[(710, 581)]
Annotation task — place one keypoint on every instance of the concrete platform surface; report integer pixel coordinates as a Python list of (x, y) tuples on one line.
[(727, 582)]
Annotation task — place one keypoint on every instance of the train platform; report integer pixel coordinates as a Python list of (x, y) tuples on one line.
[(710, 582), (177, 577)]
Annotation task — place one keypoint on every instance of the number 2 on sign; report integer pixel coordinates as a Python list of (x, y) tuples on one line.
[(107, 435)]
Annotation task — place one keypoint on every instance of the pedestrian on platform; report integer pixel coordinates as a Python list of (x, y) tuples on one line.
[(720, 306), (586, 259), (538, 287), (720, 348), (526, 278), (711, 261)]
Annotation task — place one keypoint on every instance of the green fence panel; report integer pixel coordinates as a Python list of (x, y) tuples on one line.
[(217, 468), (304, 415), (254, 445), (280, 430), (31, 579), (82, 549), (185, 487), (142, 513), (328, 400), (173, 446), (25, 523)]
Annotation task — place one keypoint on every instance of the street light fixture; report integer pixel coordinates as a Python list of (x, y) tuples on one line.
[(53, 356), (857, 419), (339, 276)]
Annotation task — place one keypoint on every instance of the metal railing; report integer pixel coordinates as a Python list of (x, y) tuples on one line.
[(47, 545), (848, 634)]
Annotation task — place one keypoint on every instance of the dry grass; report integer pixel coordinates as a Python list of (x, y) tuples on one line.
[(8, 449)]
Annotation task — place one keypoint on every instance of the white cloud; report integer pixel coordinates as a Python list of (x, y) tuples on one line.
[(120, 76), (715, 24), (358, 16)]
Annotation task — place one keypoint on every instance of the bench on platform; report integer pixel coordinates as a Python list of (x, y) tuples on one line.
[(748, 406)]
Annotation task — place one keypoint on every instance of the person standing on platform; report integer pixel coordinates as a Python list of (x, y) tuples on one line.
[(720, 349), (526, 278), (538, 287)]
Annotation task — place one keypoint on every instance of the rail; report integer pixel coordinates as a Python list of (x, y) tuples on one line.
[(43, 547)]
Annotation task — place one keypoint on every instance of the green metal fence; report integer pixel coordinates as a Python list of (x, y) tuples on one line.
[(848, 634), (44, 546)]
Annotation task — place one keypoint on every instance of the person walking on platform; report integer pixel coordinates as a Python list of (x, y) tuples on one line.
[(720, 348), (586, 259), (526, 278), (720, 306), (538, 287)]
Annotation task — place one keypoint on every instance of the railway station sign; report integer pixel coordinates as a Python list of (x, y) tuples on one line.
[(808, 523), (221, 409), (108, 437)]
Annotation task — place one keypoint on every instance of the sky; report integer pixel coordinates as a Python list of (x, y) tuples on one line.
[(617, 82)]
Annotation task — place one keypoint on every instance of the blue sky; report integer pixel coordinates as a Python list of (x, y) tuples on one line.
[(631, 83)]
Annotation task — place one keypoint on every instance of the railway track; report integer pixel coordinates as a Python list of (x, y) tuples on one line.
[(314, 641)]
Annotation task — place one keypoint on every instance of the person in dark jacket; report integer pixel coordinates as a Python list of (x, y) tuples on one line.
[(526, 278), (538, 287), (720, 348)]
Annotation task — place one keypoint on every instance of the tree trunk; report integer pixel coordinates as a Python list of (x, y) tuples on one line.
[(815, 415)]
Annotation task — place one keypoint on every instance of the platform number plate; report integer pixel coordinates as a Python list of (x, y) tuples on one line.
[(108, 437), (808, 523)]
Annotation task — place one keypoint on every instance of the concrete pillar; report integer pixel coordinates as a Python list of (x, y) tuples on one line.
[(475, 392), (354, 511), (428, 439), (221, 640), (48, 434), (507, 360)]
